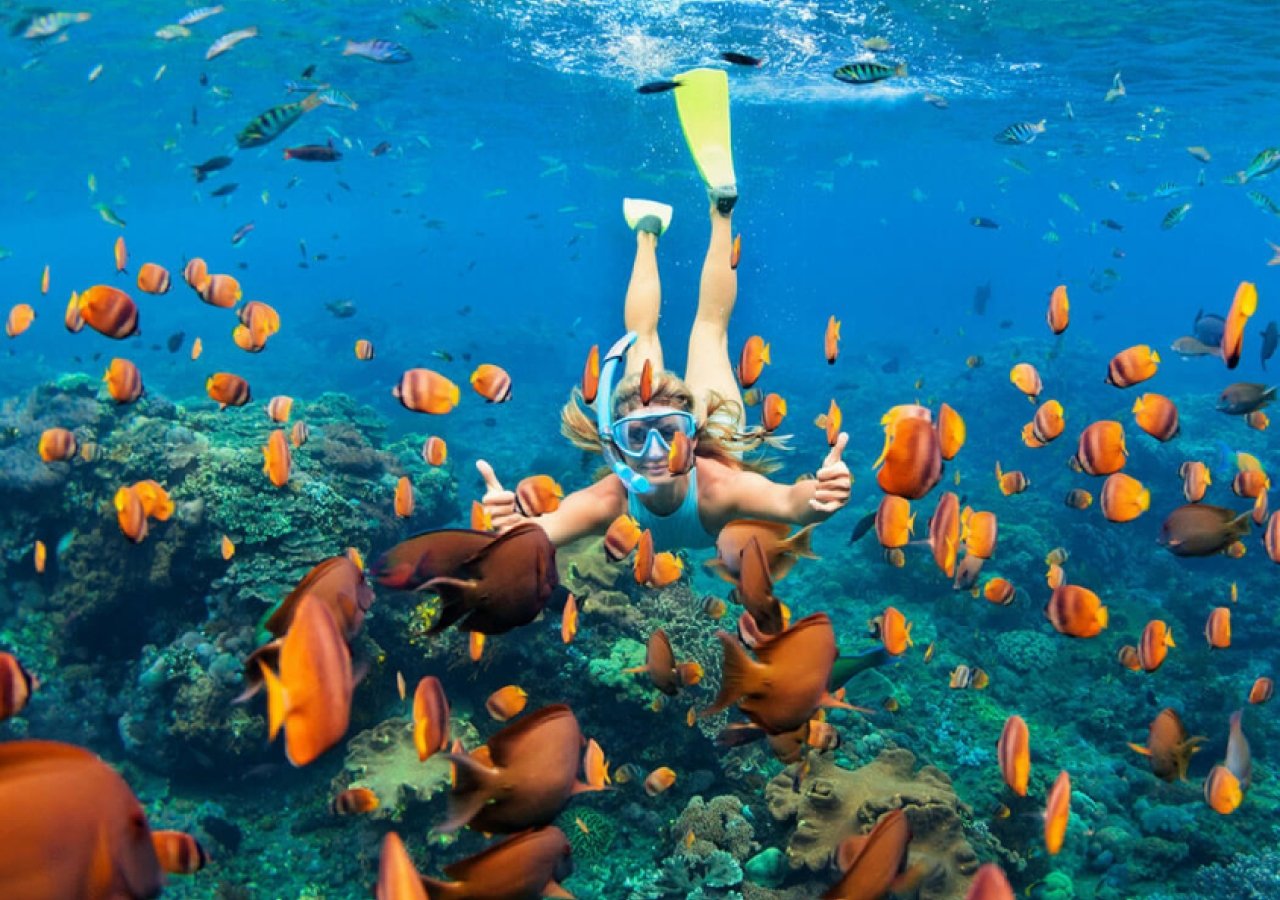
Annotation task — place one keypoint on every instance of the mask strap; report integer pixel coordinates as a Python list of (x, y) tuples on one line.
[(632, 480)]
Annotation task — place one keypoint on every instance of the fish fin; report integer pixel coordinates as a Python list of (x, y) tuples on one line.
[(456, 595), (580, 787), (277, 701), (553, 889), (833, 702), (801, 543), (470, 791), (737, 675), (848, 851), (719, 568), (1138, 748), (907, 880)]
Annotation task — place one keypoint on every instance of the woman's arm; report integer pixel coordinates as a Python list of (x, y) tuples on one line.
[(748, 495), (584, 512)]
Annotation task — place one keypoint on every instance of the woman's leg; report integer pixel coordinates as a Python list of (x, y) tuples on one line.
[(709, 367), (643, 305)]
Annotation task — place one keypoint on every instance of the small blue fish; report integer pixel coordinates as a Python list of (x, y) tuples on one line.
[(1021, 133), (1263, 164), (303, 87), (378, 50), (1175, 215)]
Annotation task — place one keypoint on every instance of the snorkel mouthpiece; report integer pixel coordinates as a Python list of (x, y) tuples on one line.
[(633, 480)]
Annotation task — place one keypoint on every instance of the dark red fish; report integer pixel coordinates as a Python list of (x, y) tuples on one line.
[(313, 153), (523, 865)]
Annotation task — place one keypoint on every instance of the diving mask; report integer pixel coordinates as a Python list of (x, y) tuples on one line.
[(635, 434)]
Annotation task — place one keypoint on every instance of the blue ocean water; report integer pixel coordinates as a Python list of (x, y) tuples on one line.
[(491, 231)]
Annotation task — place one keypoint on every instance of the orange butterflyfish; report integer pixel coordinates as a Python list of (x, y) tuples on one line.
[(16, 686), (197, 347), (1048, 422), (1132, 366), (894, 631), (1013, 751), (480, 518), (261, 319), (44, 281), (680, 457), (40, 555), (1195, 480), (569, 620), (537, 495), (277, 458), (1261, 691), (1217, 630), (1243, 305), (430, 718), (130, 515), (397, 877), (1078, 498), (156, 502), (124, 381), (1076, 611), (621, 538), (226, 390), (990, 883), (57, 445), (404, 500), (1168, 747), (831, 340), (435, 451), (944, 533), (1257, 420), (1029, 436), (1154, 644), (1025, 378), (1057, 812), (1259, 511), (222, 291), (72, 318), (1250, 483), (774, 411), (830, 422), (178, 852), (492, 383), (962, 677), (20, 319), (1124, 498), (874, 865), (507, 702), (979, 532), (475, 645), (355, 557), (1222, 791), (425, 391), (643, 568), (353, 802), (894, 521), (226, 548), (591, 375), (299, 434), (1059, 310), (951, 431), (121, 254), (1011, 482), (1127, 656), (1055, 575), (999, 591), (195, 273), (1157, 415), (752, 360), (735, 251), (659, 780), (1101, 450), (279, 408), (646, 382), (364, 350), (667, 569), (154, 279), (911, 462)]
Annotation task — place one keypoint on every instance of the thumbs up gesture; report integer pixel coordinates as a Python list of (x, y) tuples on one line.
[(834, 480), (500, 503)]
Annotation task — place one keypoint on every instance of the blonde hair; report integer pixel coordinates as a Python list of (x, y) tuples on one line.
[(717, 437)]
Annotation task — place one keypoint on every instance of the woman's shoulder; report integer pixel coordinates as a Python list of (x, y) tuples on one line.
[(713, 474)]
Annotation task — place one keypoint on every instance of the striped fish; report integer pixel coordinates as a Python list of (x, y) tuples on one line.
[(1021, 133), (49, 24), (1175, 215), (199, 15), (1263, 164), (268, 126), (1168, 189), (378, 51), (1263, 202), (868, 72)]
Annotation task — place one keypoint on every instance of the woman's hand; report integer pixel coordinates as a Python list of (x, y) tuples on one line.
[(834, 480), (500, 504)]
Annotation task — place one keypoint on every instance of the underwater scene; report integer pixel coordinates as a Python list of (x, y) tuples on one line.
[(639, 449)]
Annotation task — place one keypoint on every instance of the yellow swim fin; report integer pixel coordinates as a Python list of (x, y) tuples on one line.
[(702, 102)]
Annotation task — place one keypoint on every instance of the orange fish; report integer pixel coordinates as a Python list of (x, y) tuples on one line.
[(364, 350), (1132, 366), (130, 515), (435, 451), (1217, 630), (279, 408), (310, 696), (277, 459), (990, 883), (999, 591), (353, 802), (1076, 611), (425, 391), (1195, 480), (659, 780), (538, 495), (195, 273), (735, 252), (261, 320), (1101, 450), (57, 445), (226, 390), (156, 503), (222, 291), (197, 347), (154, 279), (124, 381), (831, 340), (1014, 753), (643, 568), (911, 462), (752, 360), (621, 538), (430, 718), (667, 569), (40, 555), (226, 548), (1059, 310), (20, 319), (944, 533), (978, 532), (591, 374), (1168, 747), (109, 311), (1154, 644), (480, 519), (178, 852), (1250, 483), (1261, 691), (894, 521), (1124, 498), (1048, 423), (1127, 656), (1078, 498), (595, 767), (780, 546), (44, 281), (830, 422), (773, 412), (1025, 378), (1257, 420), (506, 703), (16, 686), (1222, 791), (569, 620), (680, 458), (397, 877), (646, 382), (523, 865), (951, 431), (1243, 305), (121, 254), (404, 501), (72, 318), (660, 665), (875, 864), (1057, 813), (299, 434), (1011, 482), (492, 383), (894, 631), (1157, 416)]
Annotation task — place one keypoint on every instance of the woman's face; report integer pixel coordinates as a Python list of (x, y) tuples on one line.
[(650, 428)]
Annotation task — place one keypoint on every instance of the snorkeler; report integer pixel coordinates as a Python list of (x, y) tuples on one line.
[(683, 509)]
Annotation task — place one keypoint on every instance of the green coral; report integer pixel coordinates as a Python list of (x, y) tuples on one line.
[(610, 672), (590, 833)]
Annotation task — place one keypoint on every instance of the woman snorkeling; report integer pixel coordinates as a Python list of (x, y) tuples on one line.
[(682, 509)]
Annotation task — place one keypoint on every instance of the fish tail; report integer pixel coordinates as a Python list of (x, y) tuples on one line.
[(736, 678), (801, 543), (470, 791), (277, 701)]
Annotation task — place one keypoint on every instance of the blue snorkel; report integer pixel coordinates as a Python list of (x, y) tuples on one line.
[(631, 479)]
